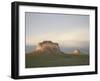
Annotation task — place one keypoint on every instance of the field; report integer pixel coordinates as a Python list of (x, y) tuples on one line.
[(52, 60)]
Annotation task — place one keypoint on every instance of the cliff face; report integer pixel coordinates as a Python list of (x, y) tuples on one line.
[(48, 47)]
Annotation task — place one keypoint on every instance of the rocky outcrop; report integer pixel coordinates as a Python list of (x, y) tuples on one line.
[(76, 52), (52, 48), (48, 47)]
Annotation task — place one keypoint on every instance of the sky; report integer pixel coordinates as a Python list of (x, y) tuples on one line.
[(68, 30)]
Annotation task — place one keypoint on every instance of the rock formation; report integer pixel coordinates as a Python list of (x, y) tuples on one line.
[(76, 52), (52, 48), (48, 47)]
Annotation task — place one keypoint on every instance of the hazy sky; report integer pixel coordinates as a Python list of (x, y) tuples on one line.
[(66, 29)]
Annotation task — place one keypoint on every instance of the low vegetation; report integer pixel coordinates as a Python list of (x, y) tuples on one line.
[(52, 60)]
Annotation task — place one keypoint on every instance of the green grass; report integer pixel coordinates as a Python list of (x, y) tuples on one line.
[(52, 60)]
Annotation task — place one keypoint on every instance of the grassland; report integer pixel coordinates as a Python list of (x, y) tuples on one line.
[(33, 60)]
